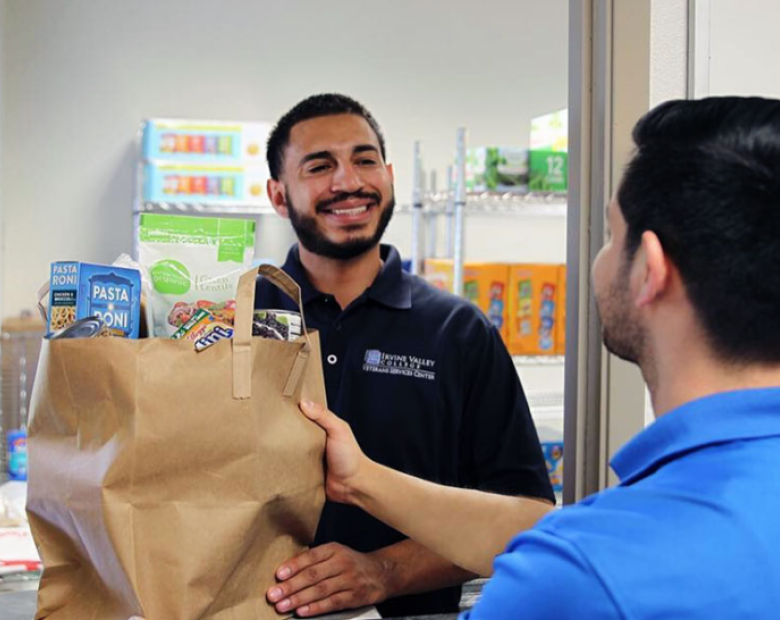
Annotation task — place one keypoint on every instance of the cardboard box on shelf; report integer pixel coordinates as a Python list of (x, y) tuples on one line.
[(548, 160), (497, 169), (560, 321), (548, 171), (534, 298), (484, 284), (551, 132), (205, 183), (193, 141)]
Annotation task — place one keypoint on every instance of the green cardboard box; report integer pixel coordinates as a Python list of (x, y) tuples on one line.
[(497, 169), (549, 171)]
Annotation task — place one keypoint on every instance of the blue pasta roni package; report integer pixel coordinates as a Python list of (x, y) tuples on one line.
[(80, 290)]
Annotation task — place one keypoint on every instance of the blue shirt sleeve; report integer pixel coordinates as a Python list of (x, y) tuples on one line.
[(543, 576)]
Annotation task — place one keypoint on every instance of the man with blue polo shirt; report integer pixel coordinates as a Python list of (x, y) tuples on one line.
[(421, 375), (688, 288)]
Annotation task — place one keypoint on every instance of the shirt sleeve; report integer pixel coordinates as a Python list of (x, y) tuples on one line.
[(499, 441), (543, 576)]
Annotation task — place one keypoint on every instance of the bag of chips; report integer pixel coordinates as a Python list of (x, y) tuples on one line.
[(194, 263)]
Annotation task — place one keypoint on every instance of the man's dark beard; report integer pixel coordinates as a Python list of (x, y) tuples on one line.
[(314, 241), (623, 336)]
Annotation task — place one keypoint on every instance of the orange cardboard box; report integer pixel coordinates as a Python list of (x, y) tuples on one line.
[(534, 300), (560, 322), (484, 284)]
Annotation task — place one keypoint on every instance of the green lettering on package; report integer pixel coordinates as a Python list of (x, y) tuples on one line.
[(170, 277)]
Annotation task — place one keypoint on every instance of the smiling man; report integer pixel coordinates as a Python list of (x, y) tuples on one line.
[(422, 376)]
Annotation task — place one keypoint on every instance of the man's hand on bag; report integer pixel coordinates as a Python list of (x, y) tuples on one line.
[(343, 455), (328, 578)]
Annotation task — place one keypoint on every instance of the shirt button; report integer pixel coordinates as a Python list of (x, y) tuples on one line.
[(338, 327), (332, 359)]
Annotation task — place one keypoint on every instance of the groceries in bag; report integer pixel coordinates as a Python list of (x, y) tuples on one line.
[(110, 293), (194, 264)]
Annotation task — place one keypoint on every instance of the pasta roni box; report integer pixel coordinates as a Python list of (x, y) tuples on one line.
[(80, 290)]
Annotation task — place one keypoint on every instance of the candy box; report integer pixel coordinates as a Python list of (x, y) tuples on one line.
[(80, 290)]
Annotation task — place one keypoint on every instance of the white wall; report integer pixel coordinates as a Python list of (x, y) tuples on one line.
[(78, 76), (744, 47)]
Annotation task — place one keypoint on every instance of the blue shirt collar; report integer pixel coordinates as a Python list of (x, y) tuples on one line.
[(715, 419), (392, 287)]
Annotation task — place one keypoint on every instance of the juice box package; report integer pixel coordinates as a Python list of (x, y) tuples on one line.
[(80, 290), (199, 141), (498, 169), (548, 171), (194, 264), (548, 160), (560, 322), (534, 300), (237, 184), (484, 284)]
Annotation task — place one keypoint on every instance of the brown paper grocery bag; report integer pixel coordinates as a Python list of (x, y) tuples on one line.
[(170, 484)]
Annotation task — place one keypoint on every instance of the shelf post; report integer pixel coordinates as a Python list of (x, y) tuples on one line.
[(460, 205), (416, 210)]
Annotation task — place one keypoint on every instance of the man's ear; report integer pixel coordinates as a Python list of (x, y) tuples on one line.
[(390, 172), (277, 194), (655, 266)]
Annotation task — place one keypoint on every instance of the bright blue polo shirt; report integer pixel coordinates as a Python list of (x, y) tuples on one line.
[(692, 531)]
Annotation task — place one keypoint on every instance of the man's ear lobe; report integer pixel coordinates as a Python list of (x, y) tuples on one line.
[(277, 196), (655, 275)]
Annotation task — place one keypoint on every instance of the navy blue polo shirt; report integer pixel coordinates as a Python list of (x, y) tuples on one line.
[(690, 533), (429, 389)]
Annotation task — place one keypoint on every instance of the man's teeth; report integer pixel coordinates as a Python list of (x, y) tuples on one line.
[(354, 211)]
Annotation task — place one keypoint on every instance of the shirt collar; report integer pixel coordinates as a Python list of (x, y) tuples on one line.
[(392, 287), (719, 418)]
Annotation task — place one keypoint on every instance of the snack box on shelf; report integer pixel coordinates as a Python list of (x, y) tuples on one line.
[(484, 284), (560, 322), (237, 184), (196, 141), (534, 306), (497, 168), (548, 160)]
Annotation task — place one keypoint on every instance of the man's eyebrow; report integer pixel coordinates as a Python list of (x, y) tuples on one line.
[(362, 148), (316, 155)]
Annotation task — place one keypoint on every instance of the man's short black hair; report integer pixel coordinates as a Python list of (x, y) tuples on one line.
[(327, 104), (705, 179)]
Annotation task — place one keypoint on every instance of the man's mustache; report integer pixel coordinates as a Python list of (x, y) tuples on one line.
[(324, 204)]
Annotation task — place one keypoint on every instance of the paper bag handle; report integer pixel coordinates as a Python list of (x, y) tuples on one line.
[(242, 335)]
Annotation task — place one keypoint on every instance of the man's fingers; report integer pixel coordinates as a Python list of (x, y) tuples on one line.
[(319, 414), (320, 597), (310, 578), (302, 561)]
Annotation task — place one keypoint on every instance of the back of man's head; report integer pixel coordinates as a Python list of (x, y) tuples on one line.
[(706, 179), (316, 106)]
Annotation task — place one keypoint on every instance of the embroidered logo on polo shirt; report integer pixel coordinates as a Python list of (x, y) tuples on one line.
[(404, 365)]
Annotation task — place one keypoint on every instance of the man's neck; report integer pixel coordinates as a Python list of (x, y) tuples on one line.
[(692, 379), (346, 280)]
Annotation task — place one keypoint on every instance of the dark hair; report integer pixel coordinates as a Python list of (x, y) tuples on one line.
[(328, 104), (705, 178)]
